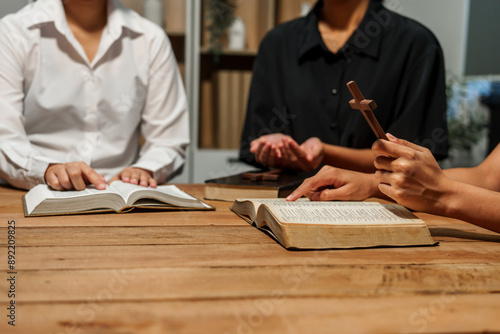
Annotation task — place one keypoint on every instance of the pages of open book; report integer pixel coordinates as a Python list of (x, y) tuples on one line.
[(341, 213), (42, 192)]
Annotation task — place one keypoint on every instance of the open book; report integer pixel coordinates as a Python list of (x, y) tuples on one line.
[(319, 225), (118, 197)]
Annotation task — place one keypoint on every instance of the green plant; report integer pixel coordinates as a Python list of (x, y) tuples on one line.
[(467, 121), (220, 15)]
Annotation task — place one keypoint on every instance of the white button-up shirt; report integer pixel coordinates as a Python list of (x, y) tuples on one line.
[(58, 107)]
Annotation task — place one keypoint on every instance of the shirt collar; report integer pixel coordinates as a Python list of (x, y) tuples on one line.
[(359, 42), (52, 11)]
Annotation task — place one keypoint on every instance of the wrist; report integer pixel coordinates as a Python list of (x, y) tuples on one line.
[(449, 202), (373, 183)]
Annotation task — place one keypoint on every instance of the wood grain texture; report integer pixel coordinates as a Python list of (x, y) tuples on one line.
[(211, 272), (475, 313)]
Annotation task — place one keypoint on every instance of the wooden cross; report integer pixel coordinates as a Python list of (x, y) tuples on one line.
[(366, 107), (262, 176)]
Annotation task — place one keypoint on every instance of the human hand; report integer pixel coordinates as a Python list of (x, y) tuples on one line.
[(267, 150), (332, 183), (73, 176), (410, 175), (135, 175), (305, 157)]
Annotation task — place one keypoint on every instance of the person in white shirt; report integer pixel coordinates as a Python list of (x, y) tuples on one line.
[(80, 81)]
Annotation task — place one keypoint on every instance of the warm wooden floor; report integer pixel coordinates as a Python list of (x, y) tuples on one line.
[(211, 272)]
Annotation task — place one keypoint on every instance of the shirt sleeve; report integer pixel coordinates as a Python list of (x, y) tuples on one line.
[(421, 101), (266, 103), (21, 165), (165, 119)]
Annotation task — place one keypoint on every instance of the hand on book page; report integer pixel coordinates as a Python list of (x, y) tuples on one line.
[(137, 176), (73, 176), (332, 183)]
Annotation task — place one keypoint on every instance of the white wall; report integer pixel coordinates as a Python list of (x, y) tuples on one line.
[(11, 6), (447, 19)]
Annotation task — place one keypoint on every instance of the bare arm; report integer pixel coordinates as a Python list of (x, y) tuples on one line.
[(413, 178), (360, 160), (485, 175)]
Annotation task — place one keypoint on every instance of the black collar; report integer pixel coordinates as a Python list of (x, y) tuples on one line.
[(366, 39)]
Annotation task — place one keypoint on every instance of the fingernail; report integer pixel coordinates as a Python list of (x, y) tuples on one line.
[(289, 198), (391, 137), (101, 186)]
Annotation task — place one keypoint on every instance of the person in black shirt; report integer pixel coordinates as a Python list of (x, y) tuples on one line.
[(298, 114)]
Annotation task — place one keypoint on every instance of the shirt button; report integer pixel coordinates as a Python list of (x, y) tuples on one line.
[(333, 125), (334, 91)]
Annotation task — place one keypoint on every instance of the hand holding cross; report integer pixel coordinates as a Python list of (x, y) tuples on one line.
[(366, 107)]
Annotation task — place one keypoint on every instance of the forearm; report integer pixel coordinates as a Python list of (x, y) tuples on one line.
[(20, 171), (474, 176), (360, 160), (473, 204)]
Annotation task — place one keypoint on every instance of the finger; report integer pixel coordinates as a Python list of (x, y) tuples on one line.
[(387, 190), (296, 156), (153, 183), (401, 148), (254, 145), (309, 185), (403, 142), (300, 191), (383, 177), (278, 150), (135, 176), (315, 152), (125, 175), (383, 162), (53, 182), (298, 151), (333, 194), (264, 154), (144, 179), (76, 177), (63, 178), (92, 177)]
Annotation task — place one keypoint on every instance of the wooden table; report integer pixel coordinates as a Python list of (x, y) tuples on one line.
[(211, 272)]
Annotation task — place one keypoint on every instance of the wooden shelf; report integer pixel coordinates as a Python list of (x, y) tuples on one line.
[(175, 33), (227, 52)]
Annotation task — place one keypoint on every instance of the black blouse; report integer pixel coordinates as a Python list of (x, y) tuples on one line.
[(299, 87)]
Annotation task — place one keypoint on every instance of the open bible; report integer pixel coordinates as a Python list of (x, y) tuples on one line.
[(306, 224), (118, 197)]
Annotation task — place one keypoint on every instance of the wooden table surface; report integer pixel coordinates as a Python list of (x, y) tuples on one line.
[(211, 272)]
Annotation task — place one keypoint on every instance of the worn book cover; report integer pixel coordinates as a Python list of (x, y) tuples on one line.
[(236, 186)]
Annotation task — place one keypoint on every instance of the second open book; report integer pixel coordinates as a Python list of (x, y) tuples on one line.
[(319, 225), (118, 197)]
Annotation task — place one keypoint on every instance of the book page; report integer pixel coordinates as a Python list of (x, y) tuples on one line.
[(126, 190), (340, 213), (42, 192)]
